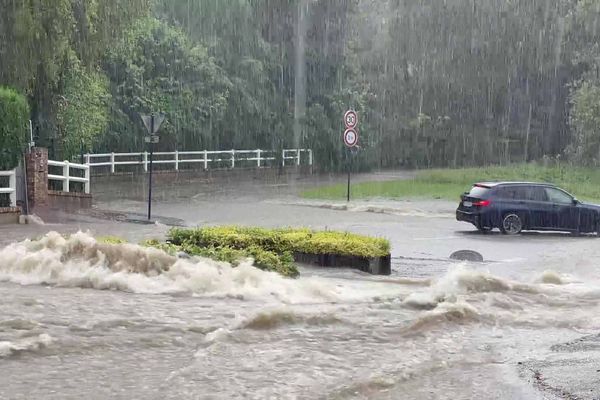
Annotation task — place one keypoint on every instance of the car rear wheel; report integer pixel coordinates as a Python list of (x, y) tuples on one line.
[(512, 224)]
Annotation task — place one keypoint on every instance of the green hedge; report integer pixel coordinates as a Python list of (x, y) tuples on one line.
[(263, 259), (271, 249), (14, 114), (283, 240)]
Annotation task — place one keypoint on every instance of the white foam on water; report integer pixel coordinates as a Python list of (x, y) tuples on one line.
[(30, 344), (35, 220), (465, 295), (80, 261), (553, 278), (461, 280), (217, 335)]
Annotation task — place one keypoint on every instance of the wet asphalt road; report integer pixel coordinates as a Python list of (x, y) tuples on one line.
[(422, 233)]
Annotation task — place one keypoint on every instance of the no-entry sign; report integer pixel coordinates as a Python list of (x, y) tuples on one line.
[(351, 119), (350, 138)]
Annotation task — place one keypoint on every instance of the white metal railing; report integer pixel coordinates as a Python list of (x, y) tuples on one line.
[(231, 158), (11, 190), (66, 177)]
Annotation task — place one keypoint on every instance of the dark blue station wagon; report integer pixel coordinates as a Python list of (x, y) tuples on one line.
[(517, 206)]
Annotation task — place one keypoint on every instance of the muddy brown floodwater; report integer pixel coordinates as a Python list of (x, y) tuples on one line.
[(75, 324)]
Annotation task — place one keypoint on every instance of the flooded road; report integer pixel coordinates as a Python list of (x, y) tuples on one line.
[(75, 324)]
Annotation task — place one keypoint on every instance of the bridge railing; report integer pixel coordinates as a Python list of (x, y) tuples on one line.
[(11, 189), (66, 177), (205, 159)]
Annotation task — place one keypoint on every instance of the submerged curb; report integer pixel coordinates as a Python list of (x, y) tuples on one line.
[(374, 265)]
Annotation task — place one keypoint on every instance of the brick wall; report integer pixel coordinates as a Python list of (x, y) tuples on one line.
[(39, 196), (37, 177)]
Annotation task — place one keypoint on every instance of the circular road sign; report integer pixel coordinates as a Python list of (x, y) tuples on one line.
[(351, 119), (350, 137)]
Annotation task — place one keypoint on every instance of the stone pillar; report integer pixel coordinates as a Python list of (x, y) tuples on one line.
[(37, 177)]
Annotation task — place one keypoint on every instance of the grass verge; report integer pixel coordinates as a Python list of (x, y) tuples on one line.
[(449, 184)]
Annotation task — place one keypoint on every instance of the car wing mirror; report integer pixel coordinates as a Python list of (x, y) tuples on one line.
[(576, 202)]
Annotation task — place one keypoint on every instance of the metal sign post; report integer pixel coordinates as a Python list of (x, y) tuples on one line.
[(152, 123), (348, 155), (350, 140)]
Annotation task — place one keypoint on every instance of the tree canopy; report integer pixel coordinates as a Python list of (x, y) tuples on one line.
[(14, 117), (459, 82)]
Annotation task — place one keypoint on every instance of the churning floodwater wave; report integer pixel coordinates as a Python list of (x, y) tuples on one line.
[(468, 296), (462, 295), (79, 261), (27, 344), (230, 331)]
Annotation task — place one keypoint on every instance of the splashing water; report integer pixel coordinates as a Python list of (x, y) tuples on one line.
[(81, 261)]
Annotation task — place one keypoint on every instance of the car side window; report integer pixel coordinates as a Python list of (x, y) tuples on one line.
[(539, 194), (508, 193), (513, 193), (522, 193), (558, 196), (504, 193)]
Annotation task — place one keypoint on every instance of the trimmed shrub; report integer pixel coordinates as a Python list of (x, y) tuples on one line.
[(283, 240), (263, 259)]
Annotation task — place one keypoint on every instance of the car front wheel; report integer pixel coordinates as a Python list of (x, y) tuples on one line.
[(511, 224)]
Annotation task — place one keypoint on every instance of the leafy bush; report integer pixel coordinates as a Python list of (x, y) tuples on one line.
[(14, 114), (271, 249), (263, 259), (283, 240), (83, 107)]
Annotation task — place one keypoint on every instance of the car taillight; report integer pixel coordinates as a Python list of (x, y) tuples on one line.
[(483, 203)]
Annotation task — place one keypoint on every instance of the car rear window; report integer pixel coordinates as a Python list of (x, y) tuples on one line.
[(478, 191)]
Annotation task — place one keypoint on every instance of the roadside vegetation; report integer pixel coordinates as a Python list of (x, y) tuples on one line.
[(283, 240), (224, 73), (582, 182), (271, 249)]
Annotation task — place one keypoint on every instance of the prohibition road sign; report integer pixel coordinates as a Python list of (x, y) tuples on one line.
[(351, 119), (350, 138)]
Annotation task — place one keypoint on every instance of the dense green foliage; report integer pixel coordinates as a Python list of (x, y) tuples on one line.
[(14, 116), (283, 241), (451, 83), (82, 111), (448, 184), (263, 259), (156, 67)]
